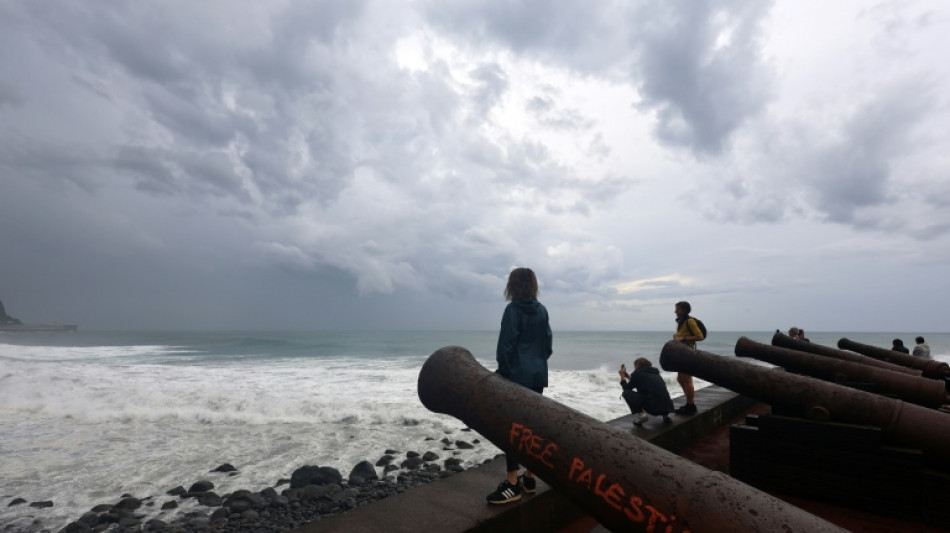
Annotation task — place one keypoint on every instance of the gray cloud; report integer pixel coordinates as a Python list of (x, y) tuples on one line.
[(9, 96), (281, 158), (583, 37), (843, 173), (493, 83), (699, 68), (855, 172)]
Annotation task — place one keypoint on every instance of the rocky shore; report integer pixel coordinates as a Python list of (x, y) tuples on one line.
[(312, 492)]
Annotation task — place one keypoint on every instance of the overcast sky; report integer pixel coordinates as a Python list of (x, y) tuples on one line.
[(382, 164)]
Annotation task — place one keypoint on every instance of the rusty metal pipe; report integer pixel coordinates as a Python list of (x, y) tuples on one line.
[(930, 367), (914, 389), (626, 483), (783, 340), (901, 423)]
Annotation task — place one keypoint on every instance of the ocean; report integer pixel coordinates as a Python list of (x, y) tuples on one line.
[(87, 416)]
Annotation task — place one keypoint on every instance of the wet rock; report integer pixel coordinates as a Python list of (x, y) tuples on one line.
[(411, 463), (210, 499), (314, 492), (315, 475), (156, 525), (201, 486), (76, 527), (128, 504), (89, 519), (362, 472)]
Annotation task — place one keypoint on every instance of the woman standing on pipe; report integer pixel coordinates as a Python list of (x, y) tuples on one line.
[(524, 346)]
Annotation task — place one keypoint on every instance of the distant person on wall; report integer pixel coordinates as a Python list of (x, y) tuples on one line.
[(687, 331), (524, 346), (922, 349), (898, 346), (793, 332), (801, 335), (645, 390)]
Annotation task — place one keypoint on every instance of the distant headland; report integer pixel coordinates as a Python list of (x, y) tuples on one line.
[(8, 323)]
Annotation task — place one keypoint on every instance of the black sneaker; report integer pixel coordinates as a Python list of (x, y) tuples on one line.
[(505, 493), (529, 484), (686, 410)]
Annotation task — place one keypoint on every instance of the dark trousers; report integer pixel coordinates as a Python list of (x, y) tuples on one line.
[(634, 400), (637, 403), (510, 460)]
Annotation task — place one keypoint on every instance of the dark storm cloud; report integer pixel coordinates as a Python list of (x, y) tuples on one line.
[(200, 91), (149, 169), (842, 169), (233, 157), (195, 118), (28, 158), (856, 172), (698, 66), (578, 34)]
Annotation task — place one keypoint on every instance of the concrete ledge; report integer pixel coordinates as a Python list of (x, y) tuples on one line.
[(457, 503), (716, 406)]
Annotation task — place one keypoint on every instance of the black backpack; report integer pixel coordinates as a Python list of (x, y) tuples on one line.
[(702, 327)]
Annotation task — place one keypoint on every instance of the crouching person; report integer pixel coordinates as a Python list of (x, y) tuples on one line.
[(645, 392)]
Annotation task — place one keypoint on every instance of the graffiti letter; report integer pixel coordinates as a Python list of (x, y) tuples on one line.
[(634, 513), (515, 430), (547, 453), (576, 466), (614, 494)]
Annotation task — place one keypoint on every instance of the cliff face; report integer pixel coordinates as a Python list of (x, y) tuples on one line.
[(5, 318)]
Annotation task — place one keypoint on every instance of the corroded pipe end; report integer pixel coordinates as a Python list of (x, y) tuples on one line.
[(438, 380), (745, 347), (674, 356)]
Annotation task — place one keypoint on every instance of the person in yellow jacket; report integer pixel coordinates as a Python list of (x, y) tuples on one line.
[(687, 331)]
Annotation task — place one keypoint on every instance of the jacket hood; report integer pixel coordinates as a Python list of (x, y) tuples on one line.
[(527, 305)]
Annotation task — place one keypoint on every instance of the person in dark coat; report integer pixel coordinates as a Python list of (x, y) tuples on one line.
[(645, 390), (898, 346), (524, 345)]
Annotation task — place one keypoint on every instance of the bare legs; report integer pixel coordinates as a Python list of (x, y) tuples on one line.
[(686, 381)]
